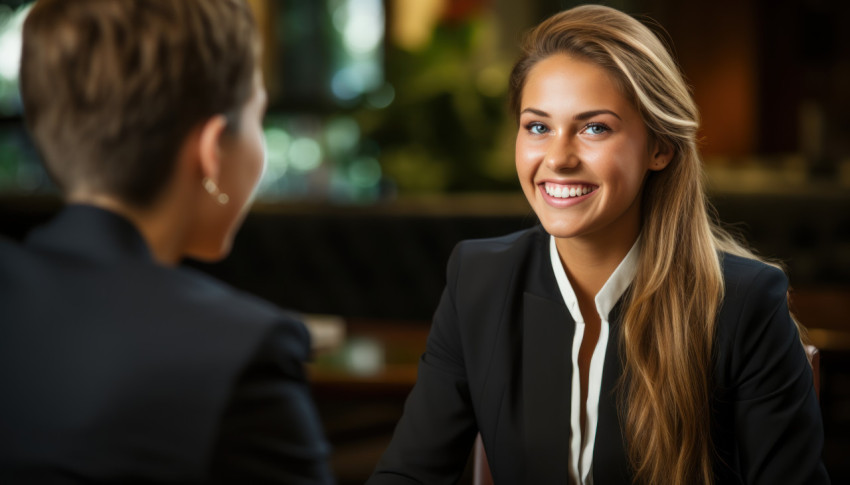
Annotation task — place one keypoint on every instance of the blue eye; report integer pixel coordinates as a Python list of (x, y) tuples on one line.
[(537, 129), (596, 129)]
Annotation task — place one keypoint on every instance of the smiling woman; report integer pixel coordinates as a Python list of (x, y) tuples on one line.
[(627, 338)]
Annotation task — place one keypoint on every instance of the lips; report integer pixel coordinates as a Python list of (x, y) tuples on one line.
[(567, 191)]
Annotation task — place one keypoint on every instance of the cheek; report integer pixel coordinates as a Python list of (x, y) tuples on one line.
[(255, 160), (625, 181), (524, 173), (525, 157), (259, 164), (627, 168)]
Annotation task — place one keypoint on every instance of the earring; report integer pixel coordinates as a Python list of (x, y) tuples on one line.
[(212, 189)]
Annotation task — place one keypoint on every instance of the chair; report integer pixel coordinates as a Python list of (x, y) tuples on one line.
[(481, 468)]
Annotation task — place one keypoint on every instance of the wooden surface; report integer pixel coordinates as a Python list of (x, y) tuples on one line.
[(391, 350)]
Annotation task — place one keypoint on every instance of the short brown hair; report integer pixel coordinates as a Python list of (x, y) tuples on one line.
[(111, 88)]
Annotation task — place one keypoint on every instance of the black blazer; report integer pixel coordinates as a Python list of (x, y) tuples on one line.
[(114, 369), (498, 362)]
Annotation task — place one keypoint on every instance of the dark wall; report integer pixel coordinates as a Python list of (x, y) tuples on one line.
[(378, 263)]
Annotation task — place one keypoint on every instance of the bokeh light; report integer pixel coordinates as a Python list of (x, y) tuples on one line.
[(360, 27), (305, 154), (11, 23), (365, 172)]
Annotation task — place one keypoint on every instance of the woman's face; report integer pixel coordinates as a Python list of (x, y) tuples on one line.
[(582, 151)]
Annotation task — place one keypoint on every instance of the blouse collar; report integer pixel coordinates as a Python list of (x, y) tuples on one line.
[(611, 291)]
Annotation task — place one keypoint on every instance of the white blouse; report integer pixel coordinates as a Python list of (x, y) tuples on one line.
[(581, 447)]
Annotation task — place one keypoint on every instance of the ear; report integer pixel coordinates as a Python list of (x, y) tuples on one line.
[(209, 146), (662, 154)]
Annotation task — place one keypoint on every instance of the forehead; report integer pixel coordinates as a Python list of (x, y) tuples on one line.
[(570, 82)]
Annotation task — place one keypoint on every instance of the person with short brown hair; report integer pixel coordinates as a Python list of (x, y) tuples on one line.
[(112, 89), (116, 364)]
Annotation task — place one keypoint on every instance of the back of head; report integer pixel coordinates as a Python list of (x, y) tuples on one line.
[(111, 88)]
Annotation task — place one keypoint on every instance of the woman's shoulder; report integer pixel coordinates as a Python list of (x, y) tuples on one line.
[(218, 295), (747, 277), (478, 269), (500, 249), (220, 309), (755, 300)]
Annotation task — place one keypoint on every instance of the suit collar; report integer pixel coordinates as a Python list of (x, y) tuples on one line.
[(92, 233), (610, 463), (548, 329), (611, 291), (540, 277)]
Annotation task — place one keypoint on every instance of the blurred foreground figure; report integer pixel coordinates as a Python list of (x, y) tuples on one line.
[(116, 365)]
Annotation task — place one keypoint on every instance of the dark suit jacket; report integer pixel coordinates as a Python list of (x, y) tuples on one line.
[(114, 369), (498, 362)]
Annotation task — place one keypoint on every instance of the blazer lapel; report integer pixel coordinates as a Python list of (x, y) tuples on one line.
[(548, 331), (610, 463)]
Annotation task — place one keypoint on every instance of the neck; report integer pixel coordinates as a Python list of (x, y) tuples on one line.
[(162, 230), (591, 258), (590, 262)]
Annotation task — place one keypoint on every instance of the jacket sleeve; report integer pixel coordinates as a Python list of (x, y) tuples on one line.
[(777, 419), (432, 441), (271, 432)]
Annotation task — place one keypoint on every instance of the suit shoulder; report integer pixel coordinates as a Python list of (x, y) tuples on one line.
[(11, 252), (754, 293), (499, 250), (219, 296), (223, 312), (481, 268), (743, 276)]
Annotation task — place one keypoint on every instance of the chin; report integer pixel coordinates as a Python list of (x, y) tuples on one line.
[(211, 253), (558, 228)]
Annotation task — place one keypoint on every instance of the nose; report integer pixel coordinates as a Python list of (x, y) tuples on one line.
[(561, 153)]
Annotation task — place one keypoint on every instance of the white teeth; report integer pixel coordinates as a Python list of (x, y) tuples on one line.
[(564, 192)]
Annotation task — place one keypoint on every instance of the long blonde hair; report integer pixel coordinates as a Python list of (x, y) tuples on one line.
[(669, 325)]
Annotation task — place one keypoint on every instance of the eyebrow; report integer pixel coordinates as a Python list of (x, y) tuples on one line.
[(579, 117)]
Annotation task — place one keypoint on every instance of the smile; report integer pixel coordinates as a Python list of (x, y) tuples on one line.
[(568, 191)]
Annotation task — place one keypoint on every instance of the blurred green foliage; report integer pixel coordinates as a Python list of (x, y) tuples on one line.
[(447, 129)]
